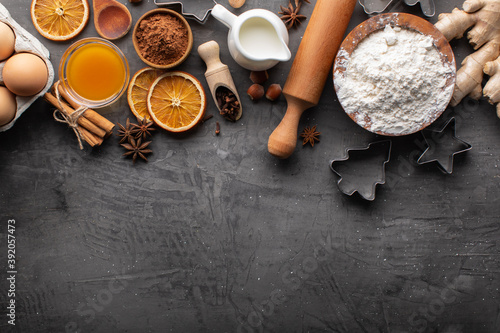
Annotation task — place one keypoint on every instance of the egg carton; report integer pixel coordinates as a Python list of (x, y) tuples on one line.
[(25, 42)]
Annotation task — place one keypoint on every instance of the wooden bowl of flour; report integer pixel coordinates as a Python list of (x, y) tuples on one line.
[(392, 93)]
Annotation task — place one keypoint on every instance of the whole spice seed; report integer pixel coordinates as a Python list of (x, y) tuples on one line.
[(143, 128), (131, 138), (207, 117), (229, 106), (162, 39), (137, 148), (310, 135), (290, 15), (125, 132), (217, 128)]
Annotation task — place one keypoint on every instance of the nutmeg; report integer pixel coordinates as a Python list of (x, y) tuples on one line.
[(273, 92), (256, 91), (259, 76), (236, 3)]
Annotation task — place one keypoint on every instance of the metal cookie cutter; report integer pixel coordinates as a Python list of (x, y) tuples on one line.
[(443, 145), (200, 4), (362, 169), (378, 6)]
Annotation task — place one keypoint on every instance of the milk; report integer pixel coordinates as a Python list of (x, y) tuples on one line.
[(258, 37)]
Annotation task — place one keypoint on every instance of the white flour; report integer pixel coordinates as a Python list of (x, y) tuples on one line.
[(395, 81)]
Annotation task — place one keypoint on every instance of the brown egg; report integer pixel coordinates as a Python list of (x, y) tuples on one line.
[(8, 106), (25, 74), (7, 41)]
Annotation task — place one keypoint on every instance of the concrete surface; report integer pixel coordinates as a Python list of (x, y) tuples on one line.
[(216, 235)]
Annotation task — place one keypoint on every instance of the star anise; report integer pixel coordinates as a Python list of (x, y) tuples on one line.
[(290, 15), (125, 132), (137, 148), (310, 135), (143, 128)]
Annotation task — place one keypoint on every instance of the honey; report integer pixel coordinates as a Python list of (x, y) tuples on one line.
[(96, 72)]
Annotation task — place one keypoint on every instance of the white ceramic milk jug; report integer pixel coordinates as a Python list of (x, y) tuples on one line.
[(257, 39)]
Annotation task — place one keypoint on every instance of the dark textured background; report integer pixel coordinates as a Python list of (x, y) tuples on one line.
[(216, 235)]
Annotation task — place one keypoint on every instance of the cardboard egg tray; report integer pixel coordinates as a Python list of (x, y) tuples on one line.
[(25, 42)]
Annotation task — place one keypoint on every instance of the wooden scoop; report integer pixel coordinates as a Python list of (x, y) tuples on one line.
[(217, 74), (112, 19), (310, 69)]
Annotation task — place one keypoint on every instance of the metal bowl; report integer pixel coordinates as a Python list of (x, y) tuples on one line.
[(405, 21)]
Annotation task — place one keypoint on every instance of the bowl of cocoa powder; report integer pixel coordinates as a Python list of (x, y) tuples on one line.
[(162, 38)]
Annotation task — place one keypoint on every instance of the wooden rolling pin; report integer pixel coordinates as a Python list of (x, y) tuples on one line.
[(310, 69)]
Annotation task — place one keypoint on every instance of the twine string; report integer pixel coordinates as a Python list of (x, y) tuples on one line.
[(71, 119)]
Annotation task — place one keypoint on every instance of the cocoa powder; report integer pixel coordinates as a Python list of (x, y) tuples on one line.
[(162, 38)]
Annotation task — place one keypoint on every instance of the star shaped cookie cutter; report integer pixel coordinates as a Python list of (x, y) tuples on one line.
[(439, 148), (199, 4), (378, 6), (360, 175)]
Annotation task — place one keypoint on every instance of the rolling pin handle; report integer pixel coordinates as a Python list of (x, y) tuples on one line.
[(283, 139), (310, 68)]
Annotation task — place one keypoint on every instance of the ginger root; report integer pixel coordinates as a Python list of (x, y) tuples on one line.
[(484, 17)]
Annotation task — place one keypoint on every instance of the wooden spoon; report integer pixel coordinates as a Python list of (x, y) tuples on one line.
[(112, 19), (236, 3)]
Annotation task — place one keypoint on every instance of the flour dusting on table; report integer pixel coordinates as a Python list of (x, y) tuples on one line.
[(394, 81)]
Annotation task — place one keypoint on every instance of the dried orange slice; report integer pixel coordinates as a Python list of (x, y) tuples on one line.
[(59, 20), (138, 88), (176, 101)]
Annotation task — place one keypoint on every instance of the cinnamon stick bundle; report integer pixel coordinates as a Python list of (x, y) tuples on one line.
[(93, 127)]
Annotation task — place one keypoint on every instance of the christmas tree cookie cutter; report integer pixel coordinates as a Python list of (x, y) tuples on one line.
[(378, 6), (362, 169), (201, 16), (442, 146)]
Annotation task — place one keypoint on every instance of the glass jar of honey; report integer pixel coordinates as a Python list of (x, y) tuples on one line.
[(94, 72)]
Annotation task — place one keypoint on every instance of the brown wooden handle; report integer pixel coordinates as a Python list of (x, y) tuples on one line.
[(283, 139), (98, 5), (209, 52), (311, 67), (217, 74), (112, 19)]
